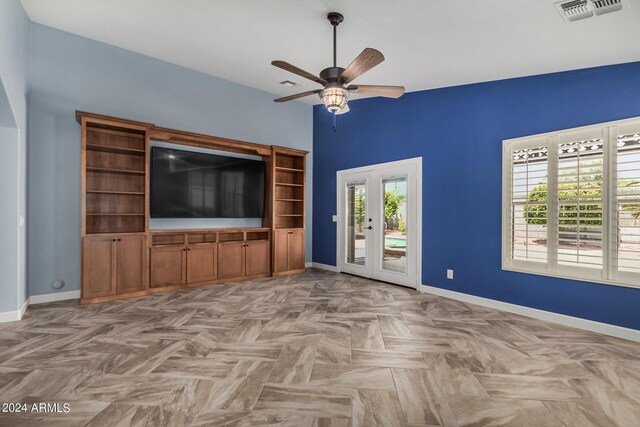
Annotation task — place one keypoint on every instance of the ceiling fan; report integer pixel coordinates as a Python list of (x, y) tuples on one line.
[(335, 80)]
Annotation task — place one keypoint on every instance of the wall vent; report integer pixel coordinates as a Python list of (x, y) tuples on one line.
[(575, 10), (605, 6)]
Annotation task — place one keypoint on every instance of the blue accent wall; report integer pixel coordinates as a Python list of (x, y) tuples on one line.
[(458, 131)]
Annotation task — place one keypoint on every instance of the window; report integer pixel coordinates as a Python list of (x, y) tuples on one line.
[(571, 203)]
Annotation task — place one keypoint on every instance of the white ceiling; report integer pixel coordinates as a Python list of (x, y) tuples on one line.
[(427, 43)]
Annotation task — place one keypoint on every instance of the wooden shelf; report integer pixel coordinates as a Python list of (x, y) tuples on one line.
[(115, 214), (117, 150), (285, 184), (280, 168), (112, 170), (126, 193), (288, 211)]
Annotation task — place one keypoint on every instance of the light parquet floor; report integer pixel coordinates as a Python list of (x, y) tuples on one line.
[(319, 349)]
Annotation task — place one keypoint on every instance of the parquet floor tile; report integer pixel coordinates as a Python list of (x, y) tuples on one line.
[(317, 349)]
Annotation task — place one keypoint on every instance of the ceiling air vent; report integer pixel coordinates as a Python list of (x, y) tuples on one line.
[(605, 6), (574, 10)]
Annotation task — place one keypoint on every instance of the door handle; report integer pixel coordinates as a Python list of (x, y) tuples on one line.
[(369, 228)]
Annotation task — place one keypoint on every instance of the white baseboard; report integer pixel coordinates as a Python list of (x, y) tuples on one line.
[(12, 316), (324, 266), (56, 296), (308, 264), (24, 307), (562, 319)]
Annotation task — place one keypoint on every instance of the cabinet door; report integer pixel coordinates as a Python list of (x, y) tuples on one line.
[(257, 258), (202, 263), (132, 266), (281, 251), (168, 266), (230, 260), (296, 250), (99, 266)]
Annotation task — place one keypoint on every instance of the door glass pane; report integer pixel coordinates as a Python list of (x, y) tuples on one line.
[(394, 257), (356, 212)]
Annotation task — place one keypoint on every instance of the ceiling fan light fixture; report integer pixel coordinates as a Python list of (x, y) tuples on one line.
[(334, 98), (334, 80)]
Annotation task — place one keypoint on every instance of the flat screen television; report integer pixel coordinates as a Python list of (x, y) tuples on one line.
[(186, 184)]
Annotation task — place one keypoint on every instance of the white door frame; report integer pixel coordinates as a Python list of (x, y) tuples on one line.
[(417, 221)]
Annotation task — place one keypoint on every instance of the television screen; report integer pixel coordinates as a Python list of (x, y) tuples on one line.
[(185, 184)]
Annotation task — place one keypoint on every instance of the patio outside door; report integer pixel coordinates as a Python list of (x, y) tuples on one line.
[(378, 221)]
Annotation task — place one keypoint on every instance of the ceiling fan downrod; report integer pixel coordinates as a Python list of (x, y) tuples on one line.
[(335, 19)]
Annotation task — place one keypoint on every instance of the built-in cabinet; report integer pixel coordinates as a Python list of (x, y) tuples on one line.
[(244, 259), (197, 256), (231, 260), (168, 266), (122, 257), (114, 264), (202, 262), (288, 169), (289, 245), (257, 257)]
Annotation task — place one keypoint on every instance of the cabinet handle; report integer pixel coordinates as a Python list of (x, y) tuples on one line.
[(119, 240), (114, 240)]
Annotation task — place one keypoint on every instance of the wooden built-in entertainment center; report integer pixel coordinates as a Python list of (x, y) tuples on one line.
[(122, 257)]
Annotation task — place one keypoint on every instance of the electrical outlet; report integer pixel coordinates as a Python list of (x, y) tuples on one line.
[(449, 274), (334, 218)]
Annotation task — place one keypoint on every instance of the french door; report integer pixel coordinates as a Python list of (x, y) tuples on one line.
[(379, 220)]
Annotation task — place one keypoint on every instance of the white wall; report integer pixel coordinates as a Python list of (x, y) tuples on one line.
[(71, 73), (14, 71)]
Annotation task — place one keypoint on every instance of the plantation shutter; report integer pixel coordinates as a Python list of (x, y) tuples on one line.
[(628, 201), (580, 200), (529, 170), (571, 203)]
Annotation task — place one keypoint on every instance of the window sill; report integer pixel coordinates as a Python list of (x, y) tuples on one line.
[(634, 284)]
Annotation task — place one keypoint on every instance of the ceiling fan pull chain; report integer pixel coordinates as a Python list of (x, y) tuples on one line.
[(335, 122)]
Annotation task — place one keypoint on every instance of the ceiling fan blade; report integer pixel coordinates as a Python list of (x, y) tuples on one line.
[(299, 71), (297, 95), (386, 91), (367, 59)]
